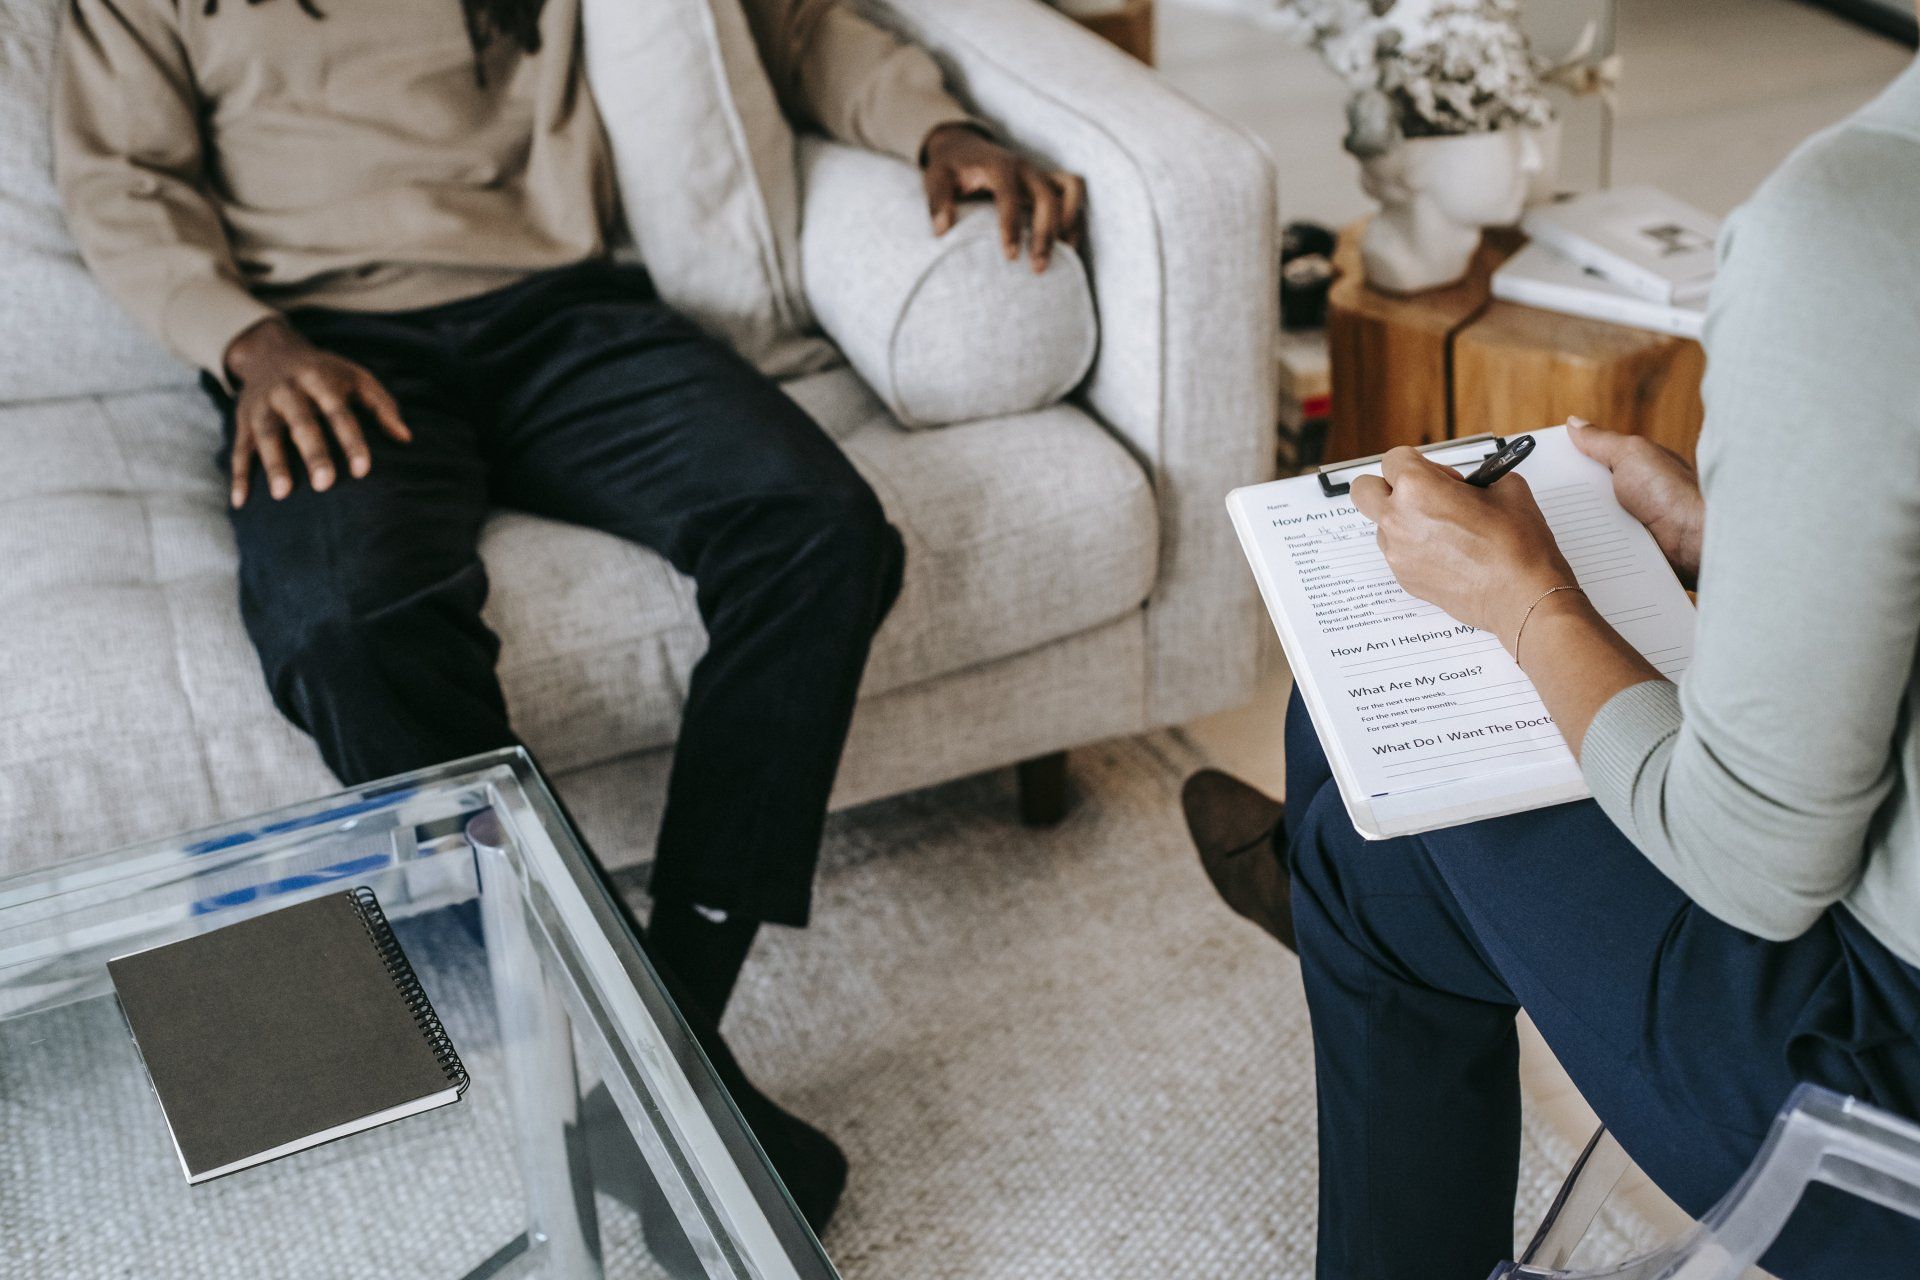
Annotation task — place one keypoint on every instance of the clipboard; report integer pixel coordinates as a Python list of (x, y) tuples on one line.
[(1481, 447), (1426, 722)]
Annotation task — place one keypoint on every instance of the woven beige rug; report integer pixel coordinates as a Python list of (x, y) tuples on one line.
[(1051, 1054)]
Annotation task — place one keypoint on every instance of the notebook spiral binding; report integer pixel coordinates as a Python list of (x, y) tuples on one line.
[(408, 984)]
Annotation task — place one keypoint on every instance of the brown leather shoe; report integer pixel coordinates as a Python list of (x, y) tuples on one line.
[(1233, 827)]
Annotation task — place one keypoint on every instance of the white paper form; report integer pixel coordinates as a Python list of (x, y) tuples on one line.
[(1426, 721)]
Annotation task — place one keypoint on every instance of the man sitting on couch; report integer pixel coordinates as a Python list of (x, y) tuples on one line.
[(380, 231)]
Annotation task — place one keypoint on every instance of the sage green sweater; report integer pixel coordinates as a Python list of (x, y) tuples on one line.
[(1782, 776)]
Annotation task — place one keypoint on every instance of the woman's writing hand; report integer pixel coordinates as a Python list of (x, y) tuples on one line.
[(1657, 487), (1481, 554)]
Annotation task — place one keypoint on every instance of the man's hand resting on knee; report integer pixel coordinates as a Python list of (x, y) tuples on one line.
[(288, 388), (958, 160)]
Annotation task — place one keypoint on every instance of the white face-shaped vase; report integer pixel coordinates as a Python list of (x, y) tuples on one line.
[(1437, 194)]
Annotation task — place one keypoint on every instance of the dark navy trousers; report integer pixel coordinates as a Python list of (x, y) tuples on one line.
[(1684, 1033), (577, 394)]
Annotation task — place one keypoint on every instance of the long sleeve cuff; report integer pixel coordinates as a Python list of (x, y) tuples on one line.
[(202, 317), (862, 85), (1624, 735), (917, 103)]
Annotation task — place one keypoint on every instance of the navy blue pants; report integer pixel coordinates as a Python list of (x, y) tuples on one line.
[(1684, 1033), (577, 394)]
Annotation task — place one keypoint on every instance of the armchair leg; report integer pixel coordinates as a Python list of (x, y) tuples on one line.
[(1043, 789)]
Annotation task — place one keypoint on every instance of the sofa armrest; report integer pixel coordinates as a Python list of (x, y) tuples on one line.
[(1183, 247), (920, 316)]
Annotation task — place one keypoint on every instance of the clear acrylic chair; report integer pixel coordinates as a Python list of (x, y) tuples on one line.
[(1819, 1136)]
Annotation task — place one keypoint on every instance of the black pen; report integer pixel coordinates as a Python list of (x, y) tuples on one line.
[(1498, 464)]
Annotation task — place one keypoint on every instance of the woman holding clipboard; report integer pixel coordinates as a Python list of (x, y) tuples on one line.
[(1738, 909)]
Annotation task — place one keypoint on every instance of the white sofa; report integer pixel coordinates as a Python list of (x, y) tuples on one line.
[(1071, 573)]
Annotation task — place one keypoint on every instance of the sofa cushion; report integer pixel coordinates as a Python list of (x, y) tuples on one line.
[(1019, 530), (63, 335), (704, 161), (131, 704), (944, 328)]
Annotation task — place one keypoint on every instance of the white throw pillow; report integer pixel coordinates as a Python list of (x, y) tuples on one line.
[(704, 161), (944, 329), (60, 335)]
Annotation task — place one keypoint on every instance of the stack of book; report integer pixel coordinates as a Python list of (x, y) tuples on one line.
[(1633, 256)]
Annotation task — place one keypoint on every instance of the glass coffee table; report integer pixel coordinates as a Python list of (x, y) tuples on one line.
[(593, 1141)]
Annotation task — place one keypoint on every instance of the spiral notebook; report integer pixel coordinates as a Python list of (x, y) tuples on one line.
[(285, 1031)]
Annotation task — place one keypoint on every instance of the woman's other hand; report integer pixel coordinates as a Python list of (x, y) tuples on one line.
[(1483, 555), (1658, 488)]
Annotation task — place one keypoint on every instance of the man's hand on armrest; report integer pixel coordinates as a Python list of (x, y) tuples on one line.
[(958, 160), (287, 387)]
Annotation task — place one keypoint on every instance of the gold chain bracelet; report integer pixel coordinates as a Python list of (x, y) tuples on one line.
[(1522, 628)]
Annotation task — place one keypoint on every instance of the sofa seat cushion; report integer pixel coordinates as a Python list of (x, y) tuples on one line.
[(131, 701)]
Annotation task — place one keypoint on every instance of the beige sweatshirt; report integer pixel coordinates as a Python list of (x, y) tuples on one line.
[(218, 167)]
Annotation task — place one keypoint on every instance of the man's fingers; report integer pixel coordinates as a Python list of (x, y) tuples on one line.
[(1369, 496), (1044, 199), (386, 411), (1073, 199), (943, 194), (240, 465), (346, 430), (1004, 183), (297, 411), (273, 453)]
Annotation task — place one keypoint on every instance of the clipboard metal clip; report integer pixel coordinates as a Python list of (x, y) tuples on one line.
[(1484, 445)]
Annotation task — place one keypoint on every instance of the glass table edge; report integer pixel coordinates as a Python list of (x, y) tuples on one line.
[(729, 1149), (287, 822), (774, 1238)]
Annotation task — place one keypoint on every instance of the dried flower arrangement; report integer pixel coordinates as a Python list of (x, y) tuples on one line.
[(1423, 68)]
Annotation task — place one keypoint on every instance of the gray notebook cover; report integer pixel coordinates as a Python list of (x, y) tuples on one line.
[(284, 1031)]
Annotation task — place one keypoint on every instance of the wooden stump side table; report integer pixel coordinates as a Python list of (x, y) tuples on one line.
[(1454, 362)]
